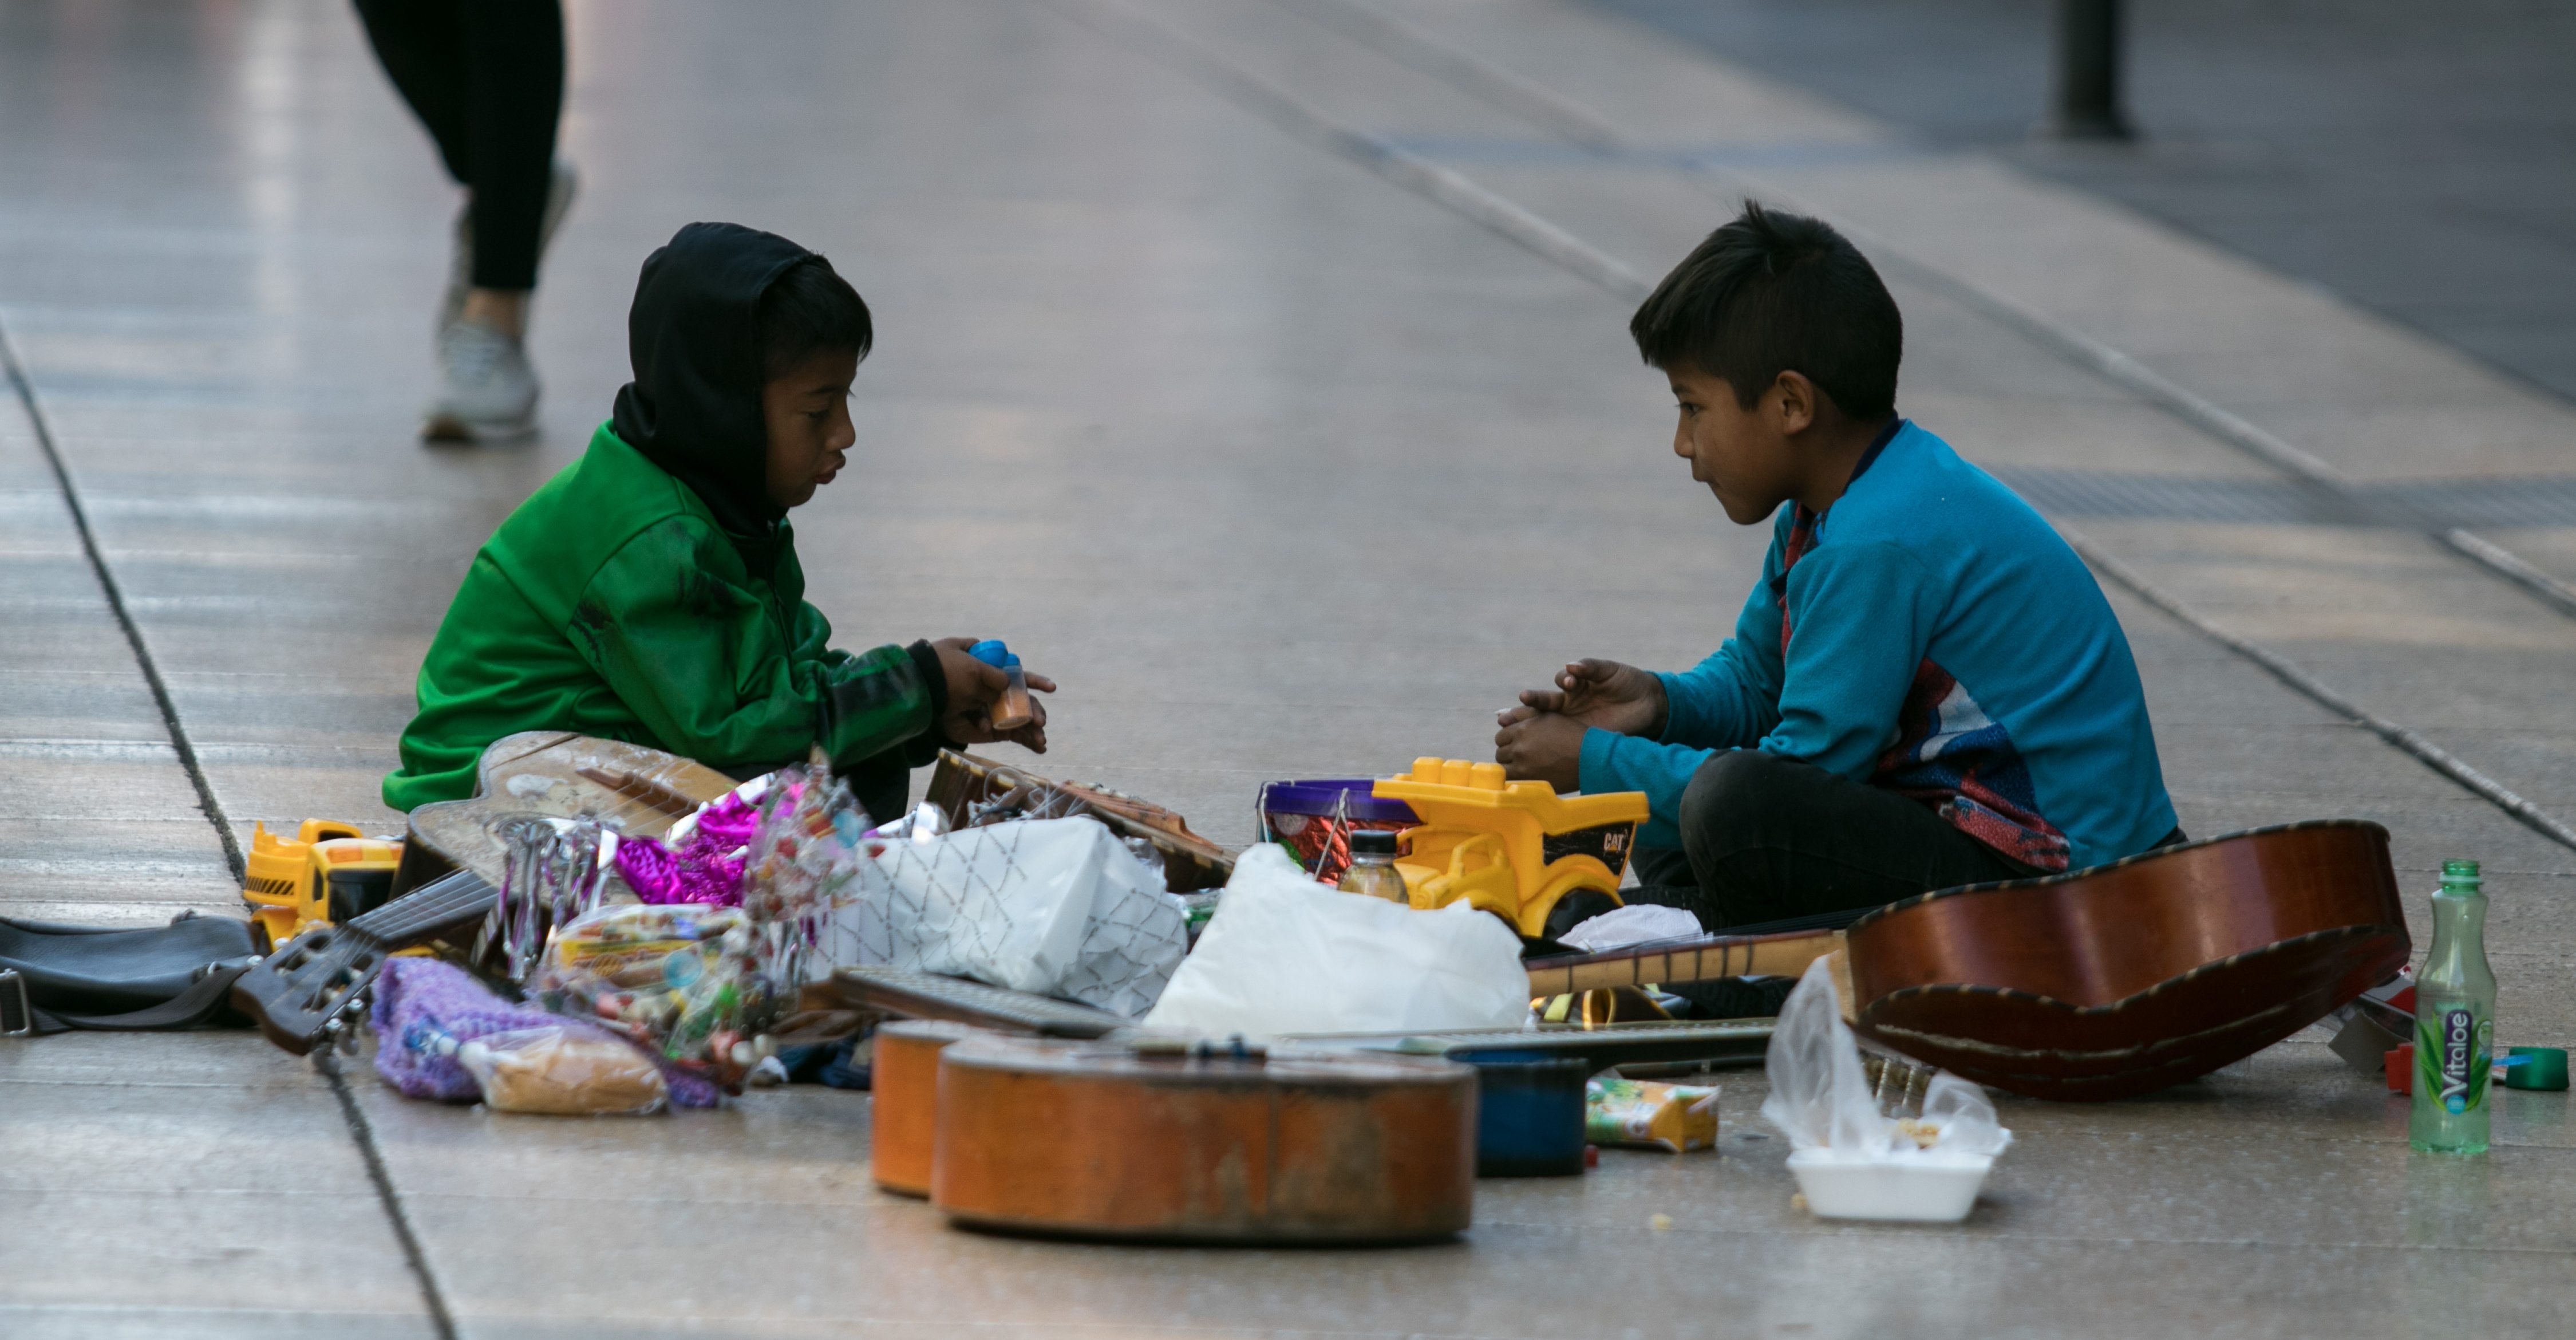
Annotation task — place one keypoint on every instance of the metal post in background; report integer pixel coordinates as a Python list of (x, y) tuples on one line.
[(2087, 105)]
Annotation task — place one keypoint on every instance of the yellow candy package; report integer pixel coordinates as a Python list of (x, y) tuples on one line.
[(1644, 1115)]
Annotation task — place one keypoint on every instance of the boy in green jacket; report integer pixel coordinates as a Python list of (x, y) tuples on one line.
[(650, 592)]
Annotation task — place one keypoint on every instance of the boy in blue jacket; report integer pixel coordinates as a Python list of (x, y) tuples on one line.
[(1926, 688)]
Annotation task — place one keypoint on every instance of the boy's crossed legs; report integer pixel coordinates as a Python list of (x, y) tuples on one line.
[(1766, 838)]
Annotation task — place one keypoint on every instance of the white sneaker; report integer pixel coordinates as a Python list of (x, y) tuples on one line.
[(487, 392), (561, 187)]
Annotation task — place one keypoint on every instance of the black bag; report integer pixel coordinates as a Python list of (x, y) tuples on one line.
[(54, 978)]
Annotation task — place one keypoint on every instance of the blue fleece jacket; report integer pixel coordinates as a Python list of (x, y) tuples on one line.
[(1931, 634)]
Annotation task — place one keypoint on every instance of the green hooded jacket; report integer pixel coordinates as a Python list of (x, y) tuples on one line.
[(650, 592), (611, 604)]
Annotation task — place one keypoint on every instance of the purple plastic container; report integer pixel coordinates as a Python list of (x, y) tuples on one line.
[(1314, 820)]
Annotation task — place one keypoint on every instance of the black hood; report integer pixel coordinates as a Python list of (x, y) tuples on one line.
[(694, 337)]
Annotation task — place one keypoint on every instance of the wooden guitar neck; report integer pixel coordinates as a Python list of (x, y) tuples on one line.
[(1700, 959)]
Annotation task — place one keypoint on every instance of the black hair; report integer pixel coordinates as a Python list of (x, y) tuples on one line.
[(808, 309), (1770, 293)]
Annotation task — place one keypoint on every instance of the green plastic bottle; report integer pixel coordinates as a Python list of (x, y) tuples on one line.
[(2455, 994)]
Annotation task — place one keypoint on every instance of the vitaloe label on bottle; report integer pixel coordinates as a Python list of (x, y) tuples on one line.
[(2446, 1059)]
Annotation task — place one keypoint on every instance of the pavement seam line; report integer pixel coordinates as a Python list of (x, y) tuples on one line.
[(414, 1255), (2309, 686), (1520, 96), (1167, 46), (1249, 92), (143, 659), (359, 1131)]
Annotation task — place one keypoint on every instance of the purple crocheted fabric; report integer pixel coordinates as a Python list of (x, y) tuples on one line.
[(419, 999), (703, 870)]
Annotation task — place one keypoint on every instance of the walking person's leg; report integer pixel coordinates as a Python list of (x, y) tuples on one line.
[(1769, 838), (485, 77), (514, 77)]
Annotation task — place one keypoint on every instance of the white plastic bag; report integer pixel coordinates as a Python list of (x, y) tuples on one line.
[(1059, 907), (1284, 954), (1635, 924), (1821, 1099)]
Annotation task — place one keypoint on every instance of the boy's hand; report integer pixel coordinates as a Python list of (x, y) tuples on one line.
[(1541, 746), (1606, 694), (973, 688)]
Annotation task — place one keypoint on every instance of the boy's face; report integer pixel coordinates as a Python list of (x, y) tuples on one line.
[(1745, 456), (807, 410)]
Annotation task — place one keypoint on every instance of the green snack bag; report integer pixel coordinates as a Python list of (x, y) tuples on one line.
[(1641, 1114)]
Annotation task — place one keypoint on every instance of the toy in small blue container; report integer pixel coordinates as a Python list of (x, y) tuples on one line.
[(1013, 710)]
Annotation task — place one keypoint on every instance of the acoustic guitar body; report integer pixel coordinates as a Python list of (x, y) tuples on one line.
[(903, 1083), (2127, 978), (1097, 1140)]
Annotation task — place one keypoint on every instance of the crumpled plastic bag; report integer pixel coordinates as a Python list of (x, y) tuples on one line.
[(1821, 1099), (1059, 907), (1284, 954), (1635, 924)]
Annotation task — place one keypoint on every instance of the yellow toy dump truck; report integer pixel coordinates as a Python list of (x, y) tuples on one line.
[(328, 872), (1541, 861)]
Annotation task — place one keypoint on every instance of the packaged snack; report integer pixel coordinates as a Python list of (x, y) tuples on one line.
[(557, 1072), (690, 981), (1645, 1115)]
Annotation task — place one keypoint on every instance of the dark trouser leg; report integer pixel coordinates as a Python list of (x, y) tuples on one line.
[(514, 78), (421, 44), (486, 78), (882, 784), (1769, 838)]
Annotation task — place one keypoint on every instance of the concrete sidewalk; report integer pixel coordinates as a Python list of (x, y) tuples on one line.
[(1258, 367)]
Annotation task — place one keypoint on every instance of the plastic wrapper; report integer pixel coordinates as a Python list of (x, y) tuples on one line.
[(1635, 924), (809, 847), (1060, 907), (927, 821), (701, 859), (553, 870), (558, 1072), (426, 1011), (1639, 1114), (1284, 954), (689, 981), (1822, 1099)]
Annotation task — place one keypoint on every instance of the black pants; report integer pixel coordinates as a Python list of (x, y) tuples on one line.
[(486, 77), (1766, 838)]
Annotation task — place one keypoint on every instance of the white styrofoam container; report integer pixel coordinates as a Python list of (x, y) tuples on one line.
[(1933, 1188)]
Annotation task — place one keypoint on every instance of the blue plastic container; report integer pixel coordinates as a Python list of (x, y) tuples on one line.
[(1529, 1114)]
